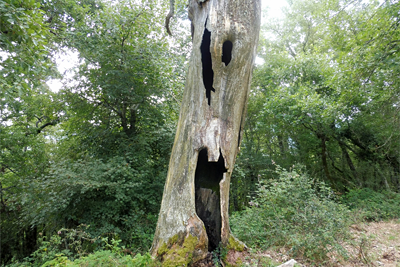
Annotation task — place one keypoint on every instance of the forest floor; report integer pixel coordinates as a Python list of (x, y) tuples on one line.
[(372, 244), (377, 244)]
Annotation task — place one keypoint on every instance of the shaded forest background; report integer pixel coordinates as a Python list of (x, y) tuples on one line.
[(87, 164)]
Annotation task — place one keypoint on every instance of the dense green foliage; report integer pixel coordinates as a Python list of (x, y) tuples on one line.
[(97, 151), (327, 97), (51, 253), (294, 211), (82, 169), (372, 205)]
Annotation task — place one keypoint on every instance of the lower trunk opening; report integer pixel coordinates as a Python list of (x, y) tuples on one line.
[(208, 208)]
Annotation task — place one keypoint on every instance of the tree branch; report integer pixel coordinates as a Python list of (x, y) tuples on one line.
[(170, 15), (51, 123)]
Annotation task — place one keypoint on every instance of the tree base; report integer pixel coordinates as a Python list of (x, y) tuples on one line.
[(183, 249)]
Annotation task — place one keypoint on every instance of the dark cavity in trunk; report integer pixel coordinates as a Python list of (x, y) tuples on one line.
[(208, 73), (227, 52), (207, 194)]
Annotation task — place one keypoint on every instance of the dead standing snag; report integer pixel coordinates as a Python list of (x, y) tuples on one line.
[(194, 211)]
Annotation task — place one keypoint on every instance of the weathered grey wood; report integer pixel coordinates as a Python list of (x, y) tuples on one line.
[(210, 121)]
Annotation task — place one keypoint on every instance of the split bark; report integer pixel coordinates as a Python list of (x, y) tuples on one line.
[(196, 194)]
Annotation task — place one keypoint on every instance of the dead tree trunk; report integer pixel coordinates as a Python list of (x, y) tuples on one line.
[(194, 212)]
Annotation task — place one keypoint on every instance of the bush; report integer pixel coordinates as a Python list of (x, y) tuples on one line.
[(372, 205), (52, 253), (108, 258), (294, 211), (104, 258)]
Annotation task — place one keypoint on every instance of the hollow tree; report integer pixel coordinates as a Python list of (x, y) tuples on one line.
[(194, 212)]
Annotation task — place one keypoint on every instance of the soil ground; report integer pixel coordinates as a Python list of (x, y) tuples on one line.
[(377, 244)]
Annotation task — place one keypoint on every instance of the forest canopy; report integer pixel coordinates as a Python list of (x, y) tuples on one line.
[(89, 162)]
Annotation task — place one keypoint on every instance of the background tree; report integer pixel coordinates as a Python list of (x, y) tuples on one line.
[(105, 161), (324, 98), (27, 111)]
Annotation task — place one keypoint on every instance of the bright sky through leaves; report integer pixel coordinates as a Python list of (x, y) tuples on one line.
[(68, 60)]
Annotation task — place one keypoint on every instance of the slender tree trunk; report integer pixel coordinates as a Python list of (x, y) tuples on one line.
[(349, 162), (194, 211), (382, 175), (324, 153)]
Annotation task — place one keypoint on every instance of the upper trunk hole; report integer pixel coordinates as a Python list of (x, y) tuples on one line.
[(227, 52), (208, 73)]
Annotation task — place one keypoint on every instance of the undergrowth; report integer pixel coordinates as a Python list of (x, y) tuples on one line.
[(75, 247), (290, 210), (296, 212), (373, 206)]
